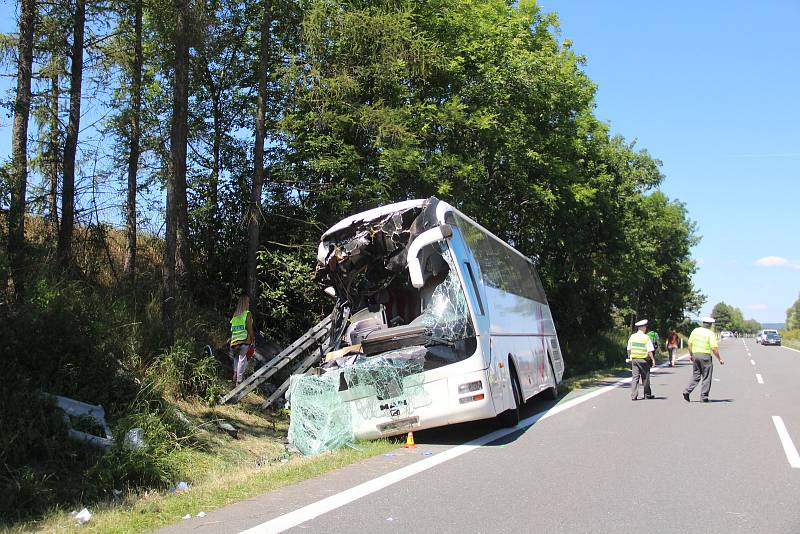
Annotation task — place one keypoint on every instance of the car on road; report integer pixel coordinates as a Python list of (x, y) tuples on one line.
[(725, 333), (771, 338), (763, 334)]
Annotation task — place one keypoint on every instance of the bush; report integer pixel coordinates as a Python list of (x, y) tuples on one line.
[(183, 372), (155, 465)]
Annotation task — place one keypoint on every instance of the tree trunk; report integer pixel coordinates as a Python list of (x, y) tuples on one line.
[(174, 262), (258, 156), (180, 134), (133, 156), (19, 145), (213, 182), (52, 157), (71, 141)]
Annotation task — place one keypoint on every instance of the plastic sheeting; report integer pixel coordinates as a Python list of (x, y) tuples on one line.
[(388, 385)]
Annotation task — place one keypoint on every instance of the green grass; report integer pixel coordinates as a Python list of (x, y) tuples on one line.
[(221, 485)]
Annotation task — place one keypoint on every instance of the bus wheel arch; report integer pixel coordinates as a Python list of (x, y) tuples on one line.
[(552, 391), (511, 417)]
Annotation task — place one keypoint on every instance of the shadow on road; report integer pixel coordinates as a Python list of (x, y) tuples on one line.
[(463, 432)]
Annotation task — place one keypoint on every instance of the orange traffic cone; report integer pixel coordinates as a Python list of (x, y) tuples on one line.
[(410, 441)]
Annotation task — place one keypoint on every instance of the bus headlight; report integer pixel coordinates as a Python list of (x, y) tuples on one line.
[(470, 386)]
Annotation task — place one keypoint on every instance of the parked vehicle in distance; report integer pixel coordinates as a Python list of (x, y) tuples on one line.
[(771, 338), (725, 333)]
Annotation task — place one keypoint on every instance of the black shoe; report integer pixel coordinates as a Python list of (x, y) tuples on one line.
[(649, 396), (703, 400), (685, 396), (634, 398)]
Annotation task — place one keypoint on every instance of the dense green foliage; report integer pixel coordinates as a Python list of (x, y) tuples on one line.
[(731, 318), (793, 316), (478, 102)]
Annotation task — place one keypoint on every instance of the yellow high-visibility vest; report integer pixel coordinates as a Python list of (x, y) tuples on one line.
[(239, 328), (638, 345), (703, 340)]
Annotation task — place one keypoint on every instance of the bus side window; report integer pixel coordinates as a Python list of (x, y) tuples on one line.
[(474, 286)]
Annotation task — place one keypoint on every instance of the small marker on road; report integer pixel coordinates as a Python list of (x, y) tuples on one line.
[(752, 362), (760, 380)]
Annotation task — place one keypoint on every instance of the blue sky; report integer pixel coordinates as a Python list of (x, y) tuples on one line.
[(712, 89)]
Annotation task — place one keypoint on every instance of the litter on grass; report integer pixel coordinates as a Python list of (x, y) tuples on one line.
[(83, 516)]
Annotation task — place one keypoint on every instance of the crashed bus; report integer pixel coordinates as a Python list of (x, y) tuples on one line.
[(461, 316)]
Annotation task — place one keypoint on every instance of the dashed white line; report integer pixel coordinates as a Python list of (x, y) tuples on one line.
[(752, 362), (760, 380), (786, 441)]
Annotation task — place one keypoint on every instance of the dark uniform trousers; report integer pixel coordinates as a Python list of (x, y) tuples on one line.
[(703, 369), (640, 368)]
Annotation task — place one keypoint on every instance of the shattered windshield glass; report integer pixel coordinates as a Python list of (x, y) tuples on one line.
[(446, 313)]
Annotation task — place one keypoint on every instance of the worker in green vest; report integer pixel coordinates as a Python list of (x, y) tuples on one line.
[(640, 353), (702, 344), (242, 337)]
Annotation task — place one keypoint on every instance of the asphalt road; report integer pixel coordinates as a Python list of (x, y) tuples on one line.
[(596, 462)]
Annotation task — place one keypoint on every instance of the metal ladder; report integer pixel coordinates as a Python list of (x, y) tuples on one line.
[(312, 345)]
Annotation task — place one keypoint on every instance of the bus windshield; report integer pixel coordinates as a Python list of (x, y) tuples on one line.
[(445, 311)]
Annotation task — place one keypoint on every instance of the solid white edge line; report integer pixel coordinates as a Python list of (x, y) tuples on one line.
[(790, 348), (786, 440), (310, 511), (759, 378)]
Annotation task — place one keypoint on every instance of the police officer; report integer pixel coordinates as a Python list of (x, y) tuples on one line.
[(640, 349), (702, 343)]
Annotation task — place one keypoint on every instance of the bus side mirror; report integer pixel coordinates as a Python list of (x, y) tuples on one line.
[(439, 233)]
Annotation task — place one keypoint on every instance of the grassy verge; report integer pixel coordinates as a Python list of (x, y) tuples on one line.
[(220, 480)]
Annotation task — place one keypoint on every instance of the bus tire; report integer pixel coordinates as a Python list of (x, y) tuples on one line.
[(552, 391), (510, 417)]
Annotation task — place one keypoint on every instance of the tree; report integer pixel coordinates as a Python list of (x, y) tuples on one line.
[(793, 315), (176, 245), (254, 217), (135, 143), (19, 142), (71, 140)]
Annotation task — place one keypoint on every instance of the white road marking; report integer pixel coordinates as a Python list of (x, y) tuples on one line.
[(790, 348), (760, 380), (752, 362), (786, 441), (309, 512)]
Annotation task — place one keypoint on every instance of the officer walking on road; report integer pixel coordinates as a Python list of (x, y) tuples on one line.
[(702, 343), (640, 349)]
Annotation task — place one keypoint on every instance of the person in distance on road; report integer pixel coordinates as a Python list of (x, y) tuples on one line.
[(653, 335), (640, 349), (702, 343), (672, 346)]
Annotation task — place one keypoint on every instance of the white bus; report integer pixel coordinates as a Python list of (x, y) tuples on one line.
[(419, 279)]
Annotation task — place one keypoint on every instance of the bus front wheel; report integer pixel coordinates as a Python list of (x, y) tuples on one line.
[(510, 417)]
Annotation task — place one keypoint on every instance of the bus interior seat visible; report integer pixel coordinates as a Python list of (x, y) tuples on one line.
[(435, 271)]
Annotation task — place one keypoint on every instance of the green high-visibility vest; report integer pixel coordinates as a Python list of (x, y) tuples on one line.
[(703, 340), (638, 344), (239, 328)]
